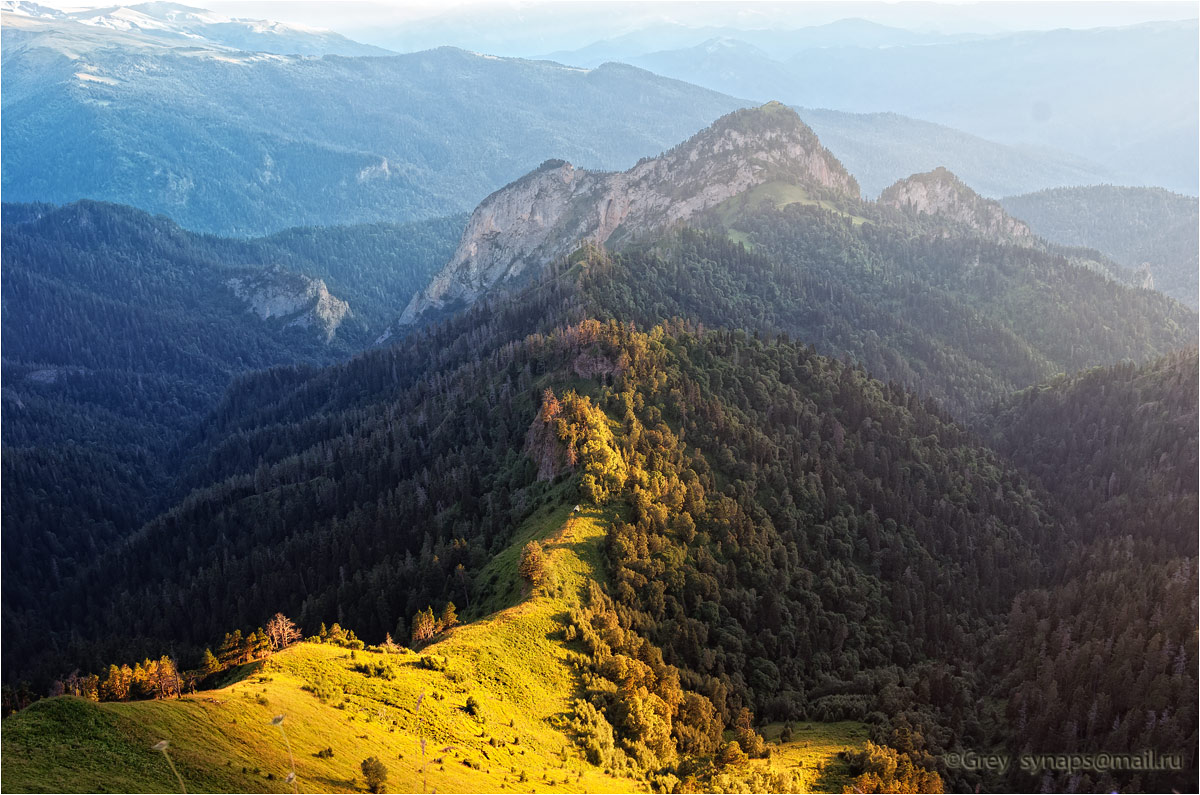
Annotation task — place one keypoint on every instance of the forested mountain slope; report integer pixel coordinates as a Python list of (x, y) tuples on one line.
[(121, 333), (789, 535), (1115, 444), (778, 487), (1135, 226), (1116, 633)]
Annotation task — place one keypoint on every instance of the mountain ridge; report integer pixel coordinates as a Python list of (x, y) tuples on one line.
[(552, 210), (940, 195)]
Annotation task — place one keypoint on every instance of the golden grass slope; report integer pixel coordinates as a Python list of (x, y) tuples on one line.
[(513, 663)]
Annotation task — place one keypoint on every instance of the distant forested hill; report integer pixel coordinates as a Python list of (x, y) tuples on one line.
[(1077, 90), (1134, 226), (121, 331), (880, 148)]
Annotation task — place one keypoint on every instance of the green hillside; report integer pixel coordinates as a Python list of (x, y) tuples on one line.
[(414, 718)]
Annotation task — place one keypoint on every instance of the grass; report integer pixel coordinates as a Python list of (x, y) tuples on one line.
[(779, 194), (512, 662), (813, 753)]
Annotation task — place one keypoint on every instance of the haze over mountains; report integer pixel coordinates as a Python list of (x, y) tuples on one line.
[(1146, 229), (91, 111), (1031, 89)]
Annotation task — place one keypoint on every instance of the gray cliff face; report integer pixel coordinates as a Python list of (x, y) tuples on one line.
[(940, 194), (302, 302), (550, 212)]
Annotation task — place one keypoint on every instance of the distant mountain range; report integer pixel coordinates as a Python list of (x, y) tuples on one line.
[(1146, 228), (178, 25), (236, 142), (1077, 90), (770, 43)]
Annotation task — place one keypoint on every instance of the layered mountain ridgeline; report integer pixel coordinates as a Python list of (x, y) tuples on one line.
[(121, 333), (968, 83), (1116, 633), (934, 286), (251, 143), (548, 213), (259, 142), (1145, 229), (881, 148)]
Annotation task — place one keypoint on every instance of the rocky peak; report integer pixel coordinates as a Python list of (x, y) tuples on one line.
[(941, 195), (298, 300), (552, 210)]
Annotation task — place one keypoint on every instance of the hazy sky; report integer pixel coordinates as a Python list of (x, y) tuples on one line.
[(992, 16)]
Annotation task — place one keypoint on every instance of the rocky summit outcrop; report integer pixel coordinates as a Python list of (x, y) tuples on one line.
[(273, 292), (940, 195), (551, 211)]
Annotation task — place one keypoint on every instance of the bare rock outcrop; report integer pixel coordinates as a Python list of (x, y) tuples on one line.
[(939, 195), (299, 300), (551, 211)]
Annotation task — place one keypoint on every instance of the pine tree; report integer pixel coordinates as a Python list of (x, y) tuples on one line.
[(449, 618), (231, 651), (258, 645)]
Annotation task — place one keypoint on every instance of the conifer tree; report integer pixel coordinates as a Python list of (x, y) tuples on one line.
[(449, 618)]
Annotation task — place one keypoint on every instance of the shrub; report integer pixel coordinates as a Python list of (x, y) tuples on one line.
[(380, 670), (593, 733), (731, 754), (434, 662), (375, 773), (324, 690), (472, 706)]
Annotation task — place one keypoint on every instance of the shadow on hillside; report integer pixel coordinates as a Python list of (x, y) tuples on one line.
[(231, 676)]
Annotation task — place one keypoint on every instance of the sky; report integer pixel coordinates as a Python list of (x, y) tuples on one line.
[(975, 16)]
